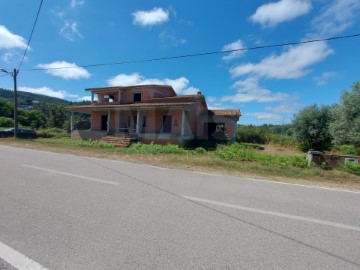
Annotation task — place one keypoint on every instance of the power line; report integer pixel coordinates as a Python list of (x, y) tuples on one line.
[(199, 54), (32, 31)]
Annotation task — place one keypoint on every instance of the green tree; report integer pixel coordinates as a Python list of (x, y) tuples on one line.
[(311, 128), (6, 108), (345, 127), (6, 122)]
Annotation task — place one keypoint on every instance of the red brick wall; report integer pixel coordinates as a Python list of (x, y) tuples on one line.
[(96, 120)]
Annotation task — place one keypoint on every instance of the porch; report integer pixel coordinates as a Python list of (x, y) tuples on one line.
[(166, 125)]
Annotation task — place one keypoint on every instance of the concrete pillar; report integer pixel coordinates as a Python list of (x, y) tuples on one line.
[(92, 97), (138, 123), (235, 131), (108, 121), (182, 128), (120, 122), (72, 122)]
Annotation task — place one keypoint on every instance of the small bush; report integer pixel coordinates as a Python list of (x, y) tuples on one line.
[(52, 133), (200, 150), (242, 152), (352, 167), (347, 150), (154, 148), (6, 122)]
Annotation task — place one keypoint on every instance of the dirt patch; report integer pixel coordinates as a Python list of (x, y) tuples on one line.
[(279, 150)]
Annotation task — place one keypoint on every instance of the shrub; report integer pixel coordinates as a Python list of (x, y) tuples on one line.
[(6, 122), (52, 133), (347, 150), (352, 167), (200, 150), (155, 148)]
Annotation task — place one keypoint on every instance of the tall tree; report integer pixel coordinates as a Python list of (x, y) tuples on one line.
[(311, 128), (345, 127)]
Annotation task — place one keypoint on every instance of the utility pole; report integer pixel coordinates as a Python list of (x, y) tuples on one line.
[(14, 75), (16, 126)]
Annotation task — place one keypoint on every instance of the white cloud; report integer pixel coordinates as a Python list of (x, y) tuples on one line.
[(291, 64), (48, 92), (283, 108), (337, 17), (75, 3), (265, 116), (211, 99), (271, 14), (9, 40), (65, 70), (70, 31), (7, 56), (168, 38), (86, 98), (236, 45), (151, 17), (249, 90), (324, 77), (180, 85)]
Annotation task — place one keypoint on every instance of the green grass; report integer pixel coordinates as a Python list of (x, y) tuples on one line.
[(240, 152)]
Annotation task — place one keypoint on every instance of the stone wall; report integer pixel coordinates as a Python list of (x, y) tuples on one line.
[(331, 160)]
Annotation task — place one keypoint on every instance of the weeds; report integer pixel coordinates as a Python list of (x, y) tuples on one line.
[(152, 148)]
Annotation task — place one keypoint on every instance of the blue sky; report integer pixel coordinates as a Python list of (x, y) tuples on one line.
[(268, 85)]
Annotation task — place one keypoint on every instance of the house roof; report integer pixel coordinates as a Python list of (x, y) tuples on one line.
[(129, 88), (223, 112)]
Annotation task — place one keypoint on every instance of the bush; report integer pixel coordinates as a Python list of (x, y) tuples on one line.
[(347, 150), (6, 122), (155, 148), (200, 150), (241, 152), (352, 167), (52, 133)]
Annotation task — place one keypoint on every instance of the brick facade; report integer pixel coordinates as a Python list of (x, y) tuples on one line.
[(163, 116)]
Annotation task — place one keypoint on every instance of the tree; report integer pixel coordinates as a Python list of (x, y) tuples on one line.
[(6, 108), (345, 127), (311, 128)]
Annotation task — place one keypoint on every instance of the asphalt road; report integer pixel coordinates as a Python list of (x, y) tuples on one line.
[(61, 211)]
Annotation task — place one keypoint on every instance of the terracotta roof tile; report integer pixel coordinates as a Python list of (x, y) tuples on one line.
[(232, 112)]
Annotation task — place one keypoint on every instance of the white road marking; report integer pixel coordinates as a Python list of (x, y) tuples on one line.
[(74, 175), (277, 214), (299, 185), (17, 259), (204, 173), (160, 168)]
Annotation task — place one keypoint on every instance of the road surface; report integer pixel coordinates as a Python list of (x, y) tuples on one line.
[(61, 211)]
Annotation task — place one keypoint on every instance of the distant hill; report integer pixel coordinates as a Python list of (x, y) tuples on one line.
[(26, 98)]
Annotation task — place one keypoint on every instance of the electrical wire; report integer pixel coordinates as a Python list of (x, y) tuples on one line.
[(198, 54), (31, 34)]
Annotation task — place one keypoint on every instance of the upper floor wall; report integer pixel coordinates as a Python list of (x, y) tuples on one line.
[(131, 94)]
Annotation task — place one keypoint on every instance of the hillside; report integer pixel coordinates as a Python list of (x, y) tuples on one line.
[(26, 98)]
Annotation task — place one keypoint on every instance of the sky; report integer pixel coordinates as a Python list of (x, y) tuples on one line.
[(268, 85)]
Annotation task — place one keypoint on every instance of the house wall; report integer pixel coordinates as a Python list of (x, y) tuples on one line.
[(230, 126), (96, 120), (154, 120), (127, 95)]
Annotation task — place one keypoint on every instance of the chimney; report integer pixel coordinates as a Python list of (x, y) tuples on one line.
[(199, 93)]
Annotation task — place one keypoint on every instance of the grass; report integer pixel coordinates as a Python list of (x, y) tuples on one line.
[(237, 159)]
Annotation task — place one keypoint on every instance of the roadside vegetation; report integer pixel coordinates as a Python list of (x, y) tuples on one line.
[(335, 129)]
